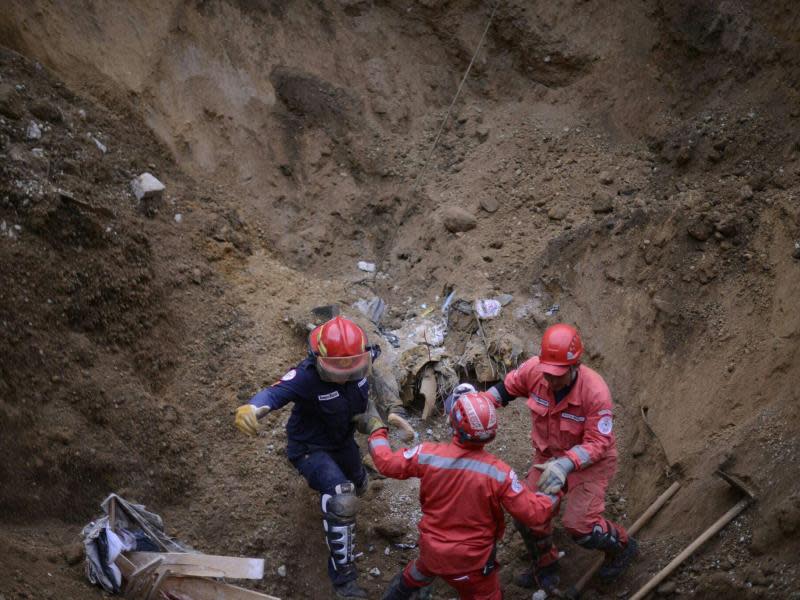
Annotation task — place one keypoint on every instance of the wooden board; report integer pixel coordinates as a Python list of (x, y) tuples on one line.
[(206, 589), (230, 566), (192, 570)]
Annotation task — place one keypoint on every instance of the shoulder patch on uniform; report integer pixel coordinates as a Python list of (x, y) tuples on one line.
[(605, 425), (516, 485), (289, 375), (325, 397), (410, 452)]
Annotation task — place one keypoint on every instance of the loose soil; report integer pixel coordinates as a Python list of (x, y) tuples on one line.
[(634, 163)]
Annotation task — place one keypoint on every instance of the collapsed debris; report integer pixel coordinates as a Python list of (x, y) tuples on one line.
[(128, 553)]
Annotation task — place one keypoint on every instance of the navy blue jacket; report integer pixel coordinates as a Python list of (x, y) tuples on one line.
[(322, 415)]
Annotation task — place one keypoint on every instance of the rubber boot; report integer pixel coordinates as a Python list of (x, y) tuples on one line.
[(616, 562), (543, 554)]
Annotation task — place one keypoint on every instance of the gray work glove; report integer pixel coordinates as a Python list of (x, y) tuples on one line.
[(369, 421), (554, 474)]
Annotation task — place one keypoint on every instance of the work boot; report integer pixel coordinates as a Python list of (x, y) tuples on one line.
[(615, 564), (544, 578), (349, 589), (398, 590)]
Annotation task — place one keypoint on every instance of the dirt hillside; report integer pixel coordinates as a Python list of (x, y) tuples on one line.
[(634, 164)]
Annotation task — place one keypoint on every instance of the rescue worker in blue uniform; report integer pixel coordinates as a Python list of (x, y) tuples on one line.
[(329, 390)]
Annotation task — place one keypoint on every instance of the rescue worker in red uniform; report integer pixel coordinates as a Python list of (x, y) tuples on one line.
[(574, 450), (463, 492)]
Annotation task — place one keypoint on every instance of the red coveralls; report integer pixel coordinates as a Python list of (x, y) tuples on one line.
[(579, 427), (463, 491)]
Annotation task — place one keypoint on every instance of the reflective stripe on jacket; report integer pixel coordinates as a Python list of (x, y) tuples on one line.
[(463, 491), (580, 426)]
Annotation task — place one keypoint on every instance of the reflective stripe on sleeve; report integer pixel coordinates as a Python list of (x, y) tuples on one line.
[(462, 464), (582, 454), (378, 442)]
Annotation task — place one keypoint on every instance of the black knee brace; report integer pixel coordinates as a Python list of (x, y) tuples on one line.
[(606, 541), (339, 519)]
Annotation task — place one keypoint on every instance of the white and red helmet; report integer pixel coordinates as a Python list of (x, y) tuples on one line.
[(473, 418)]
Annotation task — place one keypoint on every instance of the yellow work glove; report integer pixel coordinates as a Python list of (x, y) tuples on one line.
[(247, 417)]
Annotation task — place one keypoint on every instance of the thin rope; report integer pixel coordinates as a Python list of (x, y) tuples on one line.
[(455, 98)]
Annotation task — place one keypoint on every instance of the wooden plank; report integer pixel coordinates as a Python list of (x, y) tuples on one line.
[(232, 567), (207, 589), (112, 514), (125, 565), (162, 579), (194, 571), (146, 567)]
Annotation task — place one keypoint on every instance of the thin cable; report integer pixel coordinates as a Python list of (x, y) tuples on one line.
[(455, 98)]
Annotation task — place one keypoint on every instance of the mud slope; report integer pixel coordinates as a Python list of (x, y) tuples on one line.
[(635, 163)]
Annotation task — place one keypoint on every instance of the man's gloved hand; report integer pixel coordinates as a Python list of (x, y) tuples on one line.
[(554, 474), (399, 421), (369, 421), (247, 417)]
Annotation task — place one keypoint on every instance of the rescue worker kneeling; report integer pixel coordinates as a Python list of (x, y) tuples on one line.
[(463, 492)]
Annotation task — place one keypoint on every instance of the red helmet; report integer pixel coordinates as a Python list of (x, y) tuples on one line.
[(561, 348), (340, 349), (473, 418)]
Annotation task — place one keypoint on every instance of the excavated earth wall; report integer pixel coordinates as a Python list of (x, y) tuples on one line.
[(634, 163)]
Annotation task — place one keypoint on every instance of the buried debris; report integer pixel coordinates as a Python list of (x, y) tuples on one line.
[(128, 553)]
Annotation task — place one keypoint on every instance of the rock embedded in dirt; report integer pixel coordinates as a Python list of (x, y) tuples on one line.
[(683, 156), (728, 226), (490, 204), (603, 203), (145, 186), (482, 132), (664, 306), (390, 530), (457, 220), (606, 178), (666, 589), (47, 112), (746, 193), (10, 105), (557, 213), (33, 132), (700, 230)]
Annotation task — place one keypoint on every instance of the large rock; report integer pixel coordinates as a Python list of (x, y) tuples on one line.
[(700, 229), (489, 204), (603, 203), (145, 186), (456, 219), (10, 104), (149, 192), (557, 213)]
